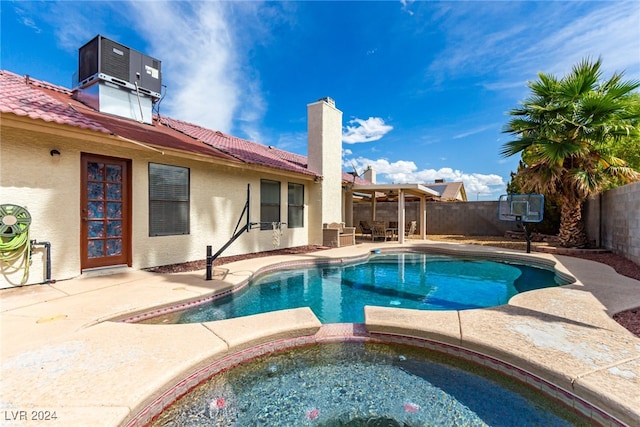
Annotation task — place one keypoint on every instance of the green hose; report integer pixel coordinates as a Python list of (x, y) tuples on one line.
[(14, 237)]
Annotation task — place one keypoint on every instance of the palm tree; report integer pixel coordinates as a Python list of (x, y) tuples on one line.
[(566, 131)]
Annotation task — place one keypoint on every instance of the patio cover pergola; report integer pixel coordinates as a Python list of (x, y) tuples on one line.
[(402, 190)]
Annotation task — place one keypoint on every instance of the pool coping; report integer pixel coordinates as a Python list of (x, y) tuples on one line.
[(359, 333), (60, 353)]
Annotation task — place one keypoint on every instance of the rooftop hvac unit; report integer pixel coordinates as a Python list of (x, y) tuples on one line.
[(104, 59)]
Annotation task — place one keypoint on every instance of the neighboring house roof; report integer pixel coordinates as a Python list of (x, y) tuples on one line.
[(350, 178), (449, 191), (39, 100)]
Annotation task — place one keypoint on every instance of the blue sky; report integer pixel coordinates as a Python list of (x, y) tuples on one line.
[(424, 86)]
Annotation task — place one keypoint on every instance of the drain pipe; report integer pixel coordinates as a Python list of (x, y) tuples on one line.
[(47, 248)]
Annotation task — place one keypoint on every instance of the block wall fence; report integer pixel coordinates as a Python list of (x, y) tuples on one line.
[(613, 220), (470, 218)]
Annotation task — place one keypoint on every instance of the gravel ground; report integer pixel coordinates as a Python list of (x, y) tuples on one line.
[(630, 319)]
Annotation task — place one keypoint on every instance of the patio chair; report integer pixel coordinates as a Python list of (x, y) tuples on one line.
[(379, 230), (410, 229), (336, 235), (365, 228)]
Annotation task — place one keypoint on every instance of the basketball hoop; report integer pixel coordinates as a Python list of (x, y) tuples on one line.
[(522, 209)]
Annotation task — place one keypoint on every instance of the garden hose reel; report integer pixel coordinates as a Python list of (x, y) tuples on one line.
[(14, 221), (15, 247)]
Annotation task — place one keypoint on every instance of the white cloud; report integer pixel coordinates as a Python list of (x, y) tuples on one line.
[(407, 172), (290, 141), (610, 31), (368, 130), (27, 20), (488, 41), (200, 66), (405, 6), (476, 131), (73, 26)]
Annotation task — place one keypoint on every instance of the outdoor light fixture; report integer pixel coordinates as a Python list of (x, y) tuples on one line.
[(54, 152)]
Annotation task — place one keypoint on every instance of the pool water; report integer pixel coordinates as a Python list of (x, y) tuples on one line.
[(358, 384), (338, 294)]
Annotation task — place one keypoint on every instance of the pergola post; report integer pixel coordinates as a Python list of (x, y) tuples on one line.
[(423, 217), (401, 216), (347, 213), (373, 206)]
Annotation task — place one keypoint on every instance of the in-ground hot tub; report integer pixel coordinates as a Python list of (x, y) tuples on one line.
[(365, 383)]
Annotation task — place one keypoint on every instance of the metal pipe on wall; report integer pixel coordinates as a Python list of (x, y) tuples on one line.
[(47, 248)]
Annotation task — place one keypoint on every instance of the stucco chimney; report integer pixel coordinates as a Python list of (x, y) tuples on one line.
[(370, 175), (324, 128)]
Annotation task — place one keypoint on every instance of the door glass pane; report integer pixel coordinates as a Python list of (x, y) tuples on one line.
[(96, 229), (96, 249), (114, 191), (95, 210), (95, 191), (114, 247), (114, 228), (114, 210), (95, 171), (114, 173)]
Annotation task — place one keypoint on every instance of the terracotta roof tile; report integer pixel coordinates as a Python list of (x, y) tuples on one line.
[(20, 96), (246, 151), (25, 96)]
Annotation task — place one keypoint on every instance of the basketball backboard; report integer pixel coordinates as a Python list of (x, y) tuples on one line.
[(521, 207)]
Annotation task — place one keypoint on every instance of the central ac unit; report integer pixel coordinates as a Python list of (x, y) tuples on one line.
[(104, 59)]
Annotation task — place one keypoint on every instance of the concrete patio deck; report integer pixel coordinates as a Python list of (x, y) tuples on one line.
[(62, 355)]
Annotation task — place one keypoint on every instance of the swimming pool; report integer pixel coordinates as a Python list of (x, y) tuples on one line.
[(357, 384), (338, 293)]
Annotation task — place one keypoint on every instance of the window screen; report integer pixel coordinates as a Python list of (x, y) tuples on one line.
[(168, 200), (269, 203), (295, 209)]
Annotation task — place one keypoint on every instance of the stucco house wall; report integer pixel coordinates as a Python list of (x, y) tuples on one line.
[(49, 187)]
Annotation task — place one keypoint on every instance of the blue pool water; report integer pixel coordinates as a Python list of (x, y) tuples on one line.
[(405, 280), (356, 384)]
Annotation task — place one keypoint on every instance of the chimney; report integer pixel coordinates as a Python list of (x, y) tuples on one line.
[(324, 128), (439, 181), (370, 175)]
